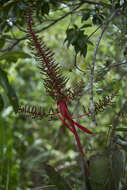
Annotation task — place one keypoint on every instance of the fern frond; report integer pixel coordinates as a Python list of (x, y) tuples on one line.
[(54, 82)]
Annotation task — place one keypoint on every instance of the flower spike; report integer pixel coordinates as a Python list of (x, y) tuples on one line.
[(54, 81), (55, 84)]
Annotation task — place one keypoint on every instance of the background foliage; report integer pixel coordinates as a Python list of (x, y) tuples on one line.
[(70, 29)]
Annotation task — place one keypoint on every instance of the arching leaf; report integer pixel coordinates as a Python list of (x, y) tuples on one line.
[(9, 90), (57, 179), (1, 103)]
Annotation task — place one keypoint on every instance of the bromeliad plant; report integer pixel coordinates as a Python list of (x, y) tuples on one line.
[(55, 85)]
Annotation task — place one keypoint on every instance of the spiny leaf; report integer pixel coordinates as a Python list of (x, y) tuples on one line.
[(101, 105), (52, 74), (35, 112), (77, 89)]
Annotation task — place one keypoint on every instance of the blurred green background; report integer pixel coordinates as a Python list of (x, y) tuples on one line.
[(26, 144)]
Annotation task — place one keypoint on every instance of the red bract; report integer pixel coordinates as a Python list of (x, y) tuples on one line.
[(65, 113)]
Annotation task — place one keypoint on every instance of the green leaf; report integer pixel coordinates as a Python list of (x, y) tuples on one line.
[(121, 129), (8, 3), (97, 19), (2, 42), (118, 166), (85, 26), (9, 90), (71, 36), (57, 179), (1, 103), (45, 9), (14, 55), (77, 38), (99, 171), (84, 51), (85, 16)]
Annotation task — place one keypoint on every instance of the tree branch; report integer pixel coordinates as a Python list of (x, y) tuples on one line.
[(104, 27), (116, 65), (94, 31), (14, 44), (42, 29), (97, 3)]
